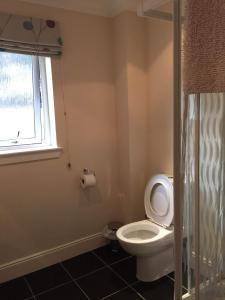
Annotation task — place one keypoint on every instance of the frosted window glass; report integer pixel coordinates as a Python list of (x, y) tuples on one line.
[(16, 97)]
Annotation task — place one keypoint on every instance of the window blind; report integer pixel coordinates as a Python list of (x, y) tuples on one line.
[(30, 35)]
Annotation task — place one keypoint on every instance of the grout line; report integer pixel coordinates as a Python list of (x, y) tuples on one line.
[(105, 265), (113, 263), (98, 269), (121, 260), (74, 281), (53, 288), (99, 258), (119, 276), (29, 287), (90, 273), (106, 297), (133, 289)]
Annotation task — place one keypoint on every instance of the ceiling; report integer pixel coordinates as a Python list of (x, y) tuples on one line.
[(107, 8)]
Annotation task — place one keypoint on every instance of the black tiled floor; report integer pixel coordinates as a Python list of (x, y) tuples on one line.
[(66, 292), (14, 290), (101, 284), (108, 256), (126, 269), (82, 264), (101, 274), (127, 294), (47, 278), (159, 289)]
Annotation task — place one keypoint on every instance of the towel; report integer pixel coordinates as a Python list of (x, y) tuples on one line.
[(204, 47)]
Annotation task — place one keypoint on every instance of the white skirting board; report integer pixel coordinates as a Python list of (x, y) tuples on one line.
[(49, 257)]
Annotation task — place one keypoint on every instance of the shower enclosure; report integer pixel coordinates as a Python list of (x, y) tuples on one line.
[(199, 145), (199, 132)]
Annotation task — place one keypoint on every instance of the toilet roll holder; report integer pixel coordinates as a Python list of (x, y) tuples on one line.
[(87, 182), (87, 171)]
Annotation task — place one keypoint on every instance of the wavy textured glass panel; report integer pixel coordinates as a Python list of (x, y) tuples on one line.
[(211, 200)]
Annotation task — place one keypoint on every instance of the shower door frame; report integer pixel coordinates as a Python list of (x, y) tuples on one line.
[(178, 208), (177, 165)]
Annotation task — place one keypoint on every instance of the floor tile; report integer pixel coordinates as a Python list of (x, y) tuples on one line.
[(108, 256), (127, 294), (100, 284), (159, 289), (47, 278), (14, 290), (66, 292), (82, 264), (126, 269), (95, 280)]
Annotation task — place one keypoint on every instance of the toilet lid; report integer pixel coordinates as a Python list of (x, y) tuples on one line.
[(159, 200)]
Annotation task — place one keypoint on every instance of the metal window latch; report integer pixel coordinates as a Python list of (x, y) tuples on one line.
[(17, 137)]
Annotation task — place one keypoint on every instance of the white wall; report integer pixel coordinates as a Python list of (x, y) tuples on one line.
[(42, 205)]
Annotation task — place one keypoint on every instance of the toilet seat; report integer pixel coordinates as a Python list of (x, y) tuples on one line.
[(158, 200), (157, 234)]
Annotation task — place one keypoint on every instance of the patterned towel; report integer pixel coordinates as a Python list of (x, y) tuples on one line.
[(204, 46)]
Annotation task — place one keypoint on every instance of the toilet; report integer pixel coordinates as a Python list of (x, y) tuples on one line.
[(152, 240)]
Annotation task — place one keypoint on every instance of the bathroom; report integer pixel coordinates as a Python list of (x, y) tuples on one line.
[(108, 118)]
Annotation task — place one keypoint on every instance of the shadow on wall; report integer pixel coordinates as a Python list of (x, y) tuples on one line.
[(143, 82), (160, 103)]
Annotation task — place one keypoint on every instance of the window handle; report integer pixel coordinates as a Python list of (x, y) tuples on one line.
[(16, 140)]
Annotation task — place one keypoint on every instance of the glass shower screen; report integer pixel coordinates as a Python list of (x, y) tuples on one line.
[(203, 190)]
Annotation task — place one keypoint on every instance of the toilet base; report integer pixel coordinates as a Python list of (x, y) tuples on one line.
[(151, 268)]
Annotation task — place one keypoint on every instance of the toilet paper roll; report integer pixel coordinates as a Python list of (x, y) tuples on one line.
[(88, 180)]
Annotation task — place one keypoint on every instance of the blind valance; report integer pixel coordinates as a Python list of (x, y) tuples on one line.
[(29, 35)]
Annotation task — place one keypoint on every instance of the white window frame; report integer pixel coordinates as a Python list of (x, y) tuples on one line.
[(44, 145)]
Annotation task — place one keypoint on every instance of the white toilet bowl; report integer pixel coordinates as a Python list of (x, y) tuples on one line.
[(152, 240)]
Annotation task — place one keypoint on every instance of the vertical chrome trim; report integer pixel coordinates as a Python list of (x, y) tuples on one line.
[(177, 151), (197, 199)]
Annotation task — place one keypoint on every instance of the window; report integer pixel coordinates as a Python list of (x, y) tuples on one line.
[(27, 118)]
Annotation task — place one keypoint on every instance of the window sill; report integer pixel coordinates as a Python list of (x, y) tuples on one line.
[(29, 155)]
